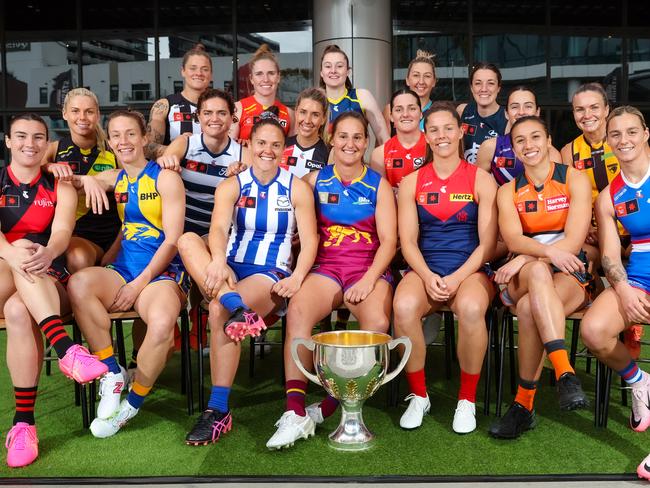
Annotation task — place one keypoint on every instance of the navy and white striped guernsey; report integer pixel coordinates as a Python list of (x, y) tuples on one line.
[(263, 222), (202, 171), (180, 118)]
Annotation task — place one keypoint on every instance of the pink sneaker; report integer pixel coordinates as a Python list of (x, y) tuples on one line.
[(22, 445), (243, 323), (640, 416), (81, 366), (643, 470)]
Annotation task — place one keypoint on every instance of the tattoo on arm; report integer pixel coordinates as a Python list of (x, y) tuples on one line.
[(615, 272)]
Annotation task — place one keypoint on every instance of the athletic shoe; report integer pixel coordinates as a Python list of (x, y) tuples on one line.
[(643, 471), (22, 445), (291, 427), (315, 413), (243, 323), (431, 327), (515, 422), (464, 417), (208, 428), (81, 366), (640, 416), (111, 386), (102, 428), (415, 412), (570, 393), (632, 340)]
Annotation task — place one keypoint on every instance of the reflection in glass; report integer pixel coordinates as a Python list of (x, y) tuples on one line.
[(639, 70)]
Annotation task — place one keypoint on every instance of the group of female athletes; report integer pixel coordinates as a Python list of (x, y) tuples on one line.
[(272, 210)]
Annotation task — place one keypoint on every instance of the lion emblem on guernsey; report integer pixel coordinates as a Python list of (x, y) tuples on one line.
[(136, 232), (339, 232)]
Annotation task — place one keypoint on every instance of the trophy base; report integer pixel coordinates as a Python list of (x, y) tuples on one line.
[(351, 434)]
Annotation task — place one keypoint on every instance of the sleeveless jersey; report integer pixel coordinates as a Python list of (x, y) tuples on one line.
[(263, 222), (477, 129), (598, 162), (347, 103), (504, 165), (202, 171), (400, 162), (139, 205), (180, 118), (300, 160), (99, 228), (424, 109), (448, 217), (250, 112), (543, 211), (346, 218)]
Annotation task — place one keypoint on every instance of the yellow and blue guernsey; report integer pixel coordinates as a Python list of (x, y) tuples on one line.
[(347, 103), (139, 205)]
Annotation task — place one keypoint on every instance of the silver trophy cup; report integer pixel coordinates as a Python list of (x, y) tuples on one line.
[(351, 366)]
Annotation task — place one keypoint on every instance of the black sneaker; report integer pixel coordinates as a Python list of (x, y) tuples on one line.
[(517, 420), (570, 393), (208, 428)]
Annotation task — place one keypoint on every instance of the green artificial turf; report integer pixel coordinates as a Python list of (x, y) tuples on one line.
[(152, 443)]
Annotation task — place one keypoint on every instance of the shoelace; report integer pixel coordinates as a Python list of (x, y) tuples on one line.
[(218, 427), (250, 318), (85, 358), (283, 420), (464, 406), (18, 436), (638, 395)]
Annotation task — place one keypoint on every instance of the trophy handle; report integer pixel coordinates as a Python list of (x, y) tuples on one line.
[(311, 345), (407, 353)]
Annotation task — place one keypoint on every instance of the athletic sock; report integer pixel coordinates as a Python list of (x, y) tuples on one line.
[(232, 301), (219, 398), (559, 358), (296, 390), (526, 394), (25, 401), (137, 394), (631, 373), (107, 356), (468, 383), (53, 330), (417, 383), (328, 406)]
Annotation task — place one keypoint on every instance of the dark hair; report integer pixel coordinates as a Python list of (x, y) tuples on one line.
[(522, 88), (264, 52), (593, 87), (425, 57), (129, 114), (318, 96), (351, 115), (29, 117), (529, 118), (404, 91), (626, 109), (197, 50), (333, 48), (216, 93), (441, 106), (267, 118), (484, 65)]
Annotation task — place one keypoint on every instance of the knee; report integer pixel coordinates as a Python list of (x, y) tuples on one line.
[(300, 320), (595, 333), (78, 258), (539, 273), (470, 312), (17, 317), (186, 242), (406, 310), (160, 329), (79, 285), (376, 322)]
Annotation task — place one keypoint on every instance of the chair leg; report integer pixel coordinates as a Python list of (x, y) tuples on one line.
[(488, 369), (608, 384), (575, 334), (448, 318), (623, 393), (511, 351), (119, 338), (186, 359), (598, 402), (502, 354), (84, 406), (283, 378), (48, 356), (76, 338)]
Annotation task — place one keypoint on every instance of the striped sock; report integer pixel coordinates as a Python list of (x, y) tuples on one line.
[(137, 394), (631, 373), (54, 332), (107, 357), (526, 394), (219, 398), (25, 401), (417, 383), (559, 358), (296, 390)]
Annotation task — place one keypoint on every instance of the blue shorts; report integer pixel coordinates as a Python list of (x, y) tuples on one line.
[(638, 271), (174, 272), (243, 271)]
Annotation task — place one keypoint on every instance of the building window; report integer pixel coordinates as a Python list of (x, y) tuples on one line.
[(140, 92), (42, 95), (178, 86), (114, 95)]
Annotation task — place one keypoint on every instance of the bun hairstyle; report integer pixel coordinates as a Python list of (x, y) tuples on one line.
[(422, 56), (197, 50), (264, 52), (333, 48), (100, 135)]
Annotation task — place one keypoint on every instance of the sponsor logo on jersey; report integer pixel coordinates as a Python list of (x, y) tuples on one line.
[(312, 164), (283, 201), (554, 204), (121, 197), (626, 208), (529, 206), (417, 162), (44, 203), (584, 163), (99, 167), (428, 198), (149, 195), (503, 162), (461, 197), (468, 129), (182, 117), (25, 194), (363, 201), (247, 202), (492, 132), (9, 201), (65, 153)]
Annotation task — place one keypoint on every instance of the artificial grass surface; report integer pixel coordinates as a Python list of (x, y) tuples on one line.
[(152, 443)]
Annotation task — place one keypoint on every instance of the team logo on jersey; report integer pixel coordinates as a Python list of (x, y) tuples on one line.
[(333, 198), (397, 163), (430, 198), (337, 233), (121, 197), (196, 166), (292, 161), (468, 129), (584, 163), (75, 166), (9, 201), (461, 197), (557, 203), (417, 162), (247, 202), (134, 231), (626, 208), (462, 216), (613, 168), (182, 117), (529, 206), (312, 164), (503, 162)]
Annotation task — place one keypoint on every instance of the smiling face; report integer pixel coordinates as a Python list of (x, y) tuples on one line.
[(627, 137), (349, 142), (406, 113), (265, 77), (309, 118), (197, 72), (267, 143), (590, 111), (215, 117), (530, 142), (485, 87), (82, 114), (27, 142), (334, 70), (421, 79), (521, 103), (126, 139), (443, 134)]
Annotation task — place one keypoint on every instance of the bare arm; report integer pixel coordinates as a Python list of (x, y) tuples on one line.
[(486, 154), (386, 115), (386, 219), (566, 155), (409, 228), (292, 122), (610, 244), (173, 154), (555, 155), (377, 160), (225, 198), (302, 199), (374, 115), (460, 108), (234, 128), (156, 129)]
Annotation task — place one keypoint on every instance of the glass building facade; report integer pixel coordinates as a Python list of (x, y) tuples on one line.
[(129, 52)]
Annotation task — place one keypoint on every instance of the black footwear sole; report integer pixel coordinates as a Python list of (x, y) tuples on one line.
[(575, 404), (497, 435)]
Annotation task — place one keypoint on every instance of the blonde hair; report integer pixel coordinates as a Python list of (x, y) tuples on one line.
[(264, 52), (626, 109), (422, 56), (100, 135)]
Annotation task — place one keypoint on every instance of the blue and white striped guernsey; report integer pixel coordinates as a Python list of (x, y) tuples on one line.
[(202, 171), (263, 222)]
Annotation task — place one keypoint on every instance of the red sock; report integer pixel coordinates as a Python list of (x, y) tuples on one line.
[(25, 401), (468, 383), (329, 406), (417, 383), (295, 390)]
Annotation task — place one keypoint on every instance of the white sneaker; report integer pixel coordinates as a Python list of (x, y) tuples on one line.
[(111, 386), (102, 428), (291, 427), (314, 411), (431, 327), (465, 417), (415, 412)]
